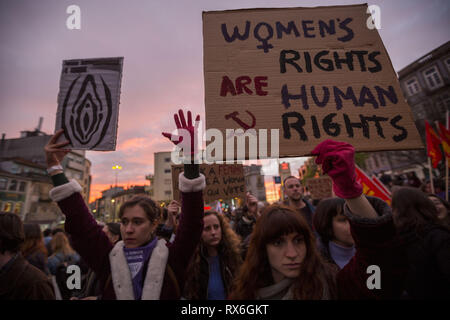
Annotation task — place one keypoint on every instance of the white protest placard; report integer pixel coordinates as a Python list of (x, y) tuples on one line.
[(313, 73), (88, 102)]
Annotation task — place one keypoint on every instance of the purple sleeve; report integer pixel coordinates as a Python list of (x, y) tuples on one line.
[(88, 238), (188, 233)]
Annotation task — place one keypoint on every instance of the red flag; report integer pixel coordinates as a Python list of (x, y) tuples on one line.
[(433, 142), (369, 187), (445, 138)]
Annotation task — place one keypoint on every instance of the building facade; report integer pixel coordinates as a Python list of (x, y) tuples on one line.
[(425, 84), (255, 181), (30, 147), (161, 189), (24, 190)]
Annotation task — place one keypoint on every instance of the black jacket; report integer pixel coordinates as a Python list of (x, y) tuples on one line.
[(428, 256)]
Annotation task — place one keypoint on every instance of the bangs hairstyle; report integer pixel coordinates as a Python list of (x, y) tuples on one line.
[(326, 210), (279, 221), (256, 273), (152, 211)]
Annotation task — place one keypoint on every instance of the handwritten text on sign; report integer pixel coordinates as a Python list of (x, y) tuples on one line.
[(314, 73), (223, 181)]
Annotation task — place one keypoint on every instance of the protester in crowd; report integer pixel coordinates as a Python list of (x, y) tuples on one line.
[(167, 228), (442, 207), (62, 253), (283, 262), (246, 217), (33, 248), (426, 187), (91, 289), (19, 280), (439, 188), (245, 221), (47, 237), (293, 190), (141, 267), (215, 262), (48, 246), (386, 179), (335, 240), (413, 180), (427, 244), (112, 230)]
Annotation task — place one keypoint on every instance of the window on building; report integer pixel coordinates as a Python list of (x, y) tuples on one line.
[(18, 207), (167, 181), (447, 63), (13, 185), (168, 193), (3, 183), (167, 159), (166, 170), (433, 78), (22, 186), (413, 86)]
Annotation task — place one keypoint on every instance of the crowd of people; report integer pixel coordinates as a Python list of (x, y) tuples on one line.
[(287, 250)]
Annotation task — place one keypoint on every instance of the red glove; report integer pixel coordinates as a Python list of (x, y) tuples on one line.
[(189, 146), (338, 161)]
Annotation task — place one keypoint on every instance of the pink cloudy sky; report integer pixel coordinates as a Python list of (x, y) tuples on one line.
[(161, 41)]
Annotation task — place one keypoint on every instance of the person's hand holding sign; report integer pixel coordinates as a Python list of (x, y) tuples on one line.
[(54, 152)]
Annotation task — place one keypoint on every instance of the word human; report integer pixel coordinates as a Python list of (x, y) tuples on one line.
[(264, 31)]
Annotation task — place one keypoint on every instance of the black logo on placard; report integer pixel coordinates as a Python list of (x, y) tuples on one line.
[(88, 116)]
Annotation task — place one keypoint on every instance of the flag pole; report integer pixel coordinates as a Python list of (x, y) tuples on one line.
[(446, 162), (431, 175)]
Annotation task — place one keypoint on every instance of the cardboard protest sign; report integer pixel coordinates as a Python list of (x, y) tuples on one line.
[(88, 102), (223, 181), (313, 73), (320, 188)]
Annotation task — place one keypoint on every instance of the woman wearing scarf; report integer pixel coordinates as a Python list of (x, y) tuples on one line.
[(141, 266)]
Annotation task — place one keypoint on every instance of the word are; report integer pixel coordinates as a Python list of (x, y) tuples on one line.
[(326, 61), (264, 31), (332, 128), (74, 20), (336, 95), (242, 84)]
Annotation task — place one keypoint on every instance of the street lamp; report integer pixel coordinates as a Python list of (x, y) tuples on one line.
[(117, 167)]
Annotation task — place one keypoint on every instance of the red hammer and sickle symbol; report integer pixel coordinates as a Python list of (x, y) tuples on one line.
[(234, 115)]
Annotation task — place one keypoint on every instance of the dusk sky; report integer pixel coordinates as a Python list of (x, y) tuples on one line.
[(162, 45)]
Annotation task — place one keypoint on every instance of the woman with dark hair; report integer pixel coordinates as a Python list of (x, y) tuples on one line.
[(141, 266), (215, 262), (283, 262), (442, 207), (427, 243), (335, 240), (19, 280), (33, 248), (112, 230)]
